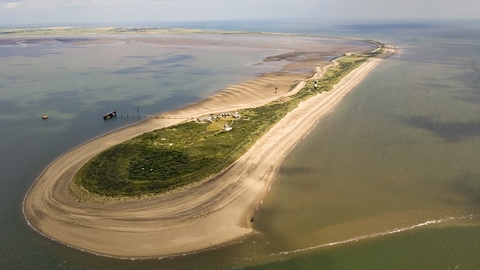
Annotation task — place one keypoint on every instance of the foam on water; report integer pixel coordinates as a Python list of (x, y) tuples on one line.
[(374, 235)]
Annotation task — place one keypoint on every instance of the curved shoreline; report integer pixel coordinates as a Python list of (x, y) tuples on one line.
[(220, 211)]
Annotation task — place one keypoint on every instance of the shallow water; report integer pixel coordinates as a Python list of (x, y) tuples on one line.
[(75, 85), (400, 153), (390, 180)]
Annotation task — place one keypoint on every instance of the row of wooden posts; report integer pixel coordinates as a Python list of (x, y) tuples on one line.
[(139, 117)]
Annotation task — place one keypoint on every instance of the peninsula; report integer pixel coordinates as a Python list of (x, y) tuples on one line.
[(205, 213)]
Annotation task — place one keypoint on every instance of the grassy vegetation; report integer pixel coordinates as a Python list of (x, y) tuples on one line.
[(172, 157)]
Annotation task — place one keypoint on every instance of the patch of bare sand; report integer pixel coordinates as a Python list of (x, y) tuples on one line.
[(194, 218)]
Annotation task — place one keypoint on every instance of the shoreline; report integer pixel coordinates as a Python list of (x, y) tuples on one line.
[(215, 202)]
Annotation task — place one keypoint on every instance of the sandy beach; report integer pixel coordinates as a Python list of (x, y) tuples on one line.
[(201, 216)]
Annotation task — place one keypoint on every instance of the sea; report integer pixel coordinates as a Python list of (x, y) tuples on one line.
[(389, 180)]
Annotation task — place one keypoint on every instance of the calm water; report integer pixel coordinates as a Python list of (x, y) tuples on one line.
[(390, 180)]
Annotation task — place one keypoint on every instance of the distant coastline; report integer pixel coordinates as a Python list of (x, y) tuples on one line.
[(69, 30), (194, 218)]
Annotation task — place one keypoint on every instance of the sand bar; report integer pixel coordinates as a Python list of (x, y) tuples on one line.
[(198, 217)]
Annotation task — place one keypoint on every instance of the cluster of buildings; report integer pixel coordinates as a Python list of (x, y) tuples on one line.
[(212, 117)]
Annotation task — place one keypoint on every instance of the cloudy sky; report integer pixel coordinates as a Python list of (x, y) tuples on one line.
[(65, 12)]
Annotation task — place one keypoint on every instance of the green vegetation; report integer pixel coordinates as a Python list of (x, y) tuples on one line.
[(172, 157)]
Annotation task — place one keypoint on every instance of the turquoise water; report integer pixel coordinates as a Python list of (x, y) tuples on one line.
[(390, 180)]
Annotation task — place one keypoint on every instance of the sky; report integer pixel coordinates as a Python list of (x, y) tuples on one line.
[(109, 12)]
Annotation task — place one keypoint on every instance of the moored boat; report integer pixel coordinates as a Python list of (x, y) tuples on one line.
[(110, 115)]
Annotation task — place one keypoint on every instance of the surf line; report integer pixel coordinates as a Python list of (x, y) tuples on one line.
[(370, 236)]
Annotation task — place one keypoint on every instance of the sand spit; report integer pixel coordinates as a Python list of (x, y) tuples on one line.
[(194, 218)]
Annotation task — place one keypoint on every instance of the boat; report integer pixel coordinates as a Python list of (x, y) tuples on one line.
[(110, 115), (45, 117)]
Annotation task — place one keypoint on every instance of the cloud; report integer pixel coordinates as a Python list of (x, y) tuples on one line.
[(55, 12), (10, 4)]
